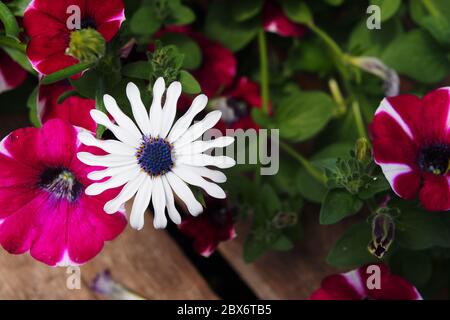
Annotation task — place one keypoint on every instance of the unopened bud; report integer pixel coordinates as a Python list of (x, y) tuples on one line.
[(383, 232), (87, 45), (363, 151), (285, 219)]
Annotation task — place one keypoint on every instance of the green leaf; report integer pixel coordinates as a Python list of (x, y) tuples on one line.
[(21, 58), (221, 26), (9, 21), (297, 11), (378, 185), (351, 249), (100, 105), (189, 83), (138, 70), (283, 243), (414, 266), (388, 8), (187, 46), (87, 84), (337, 205), (244, 10), (182, 15), (303, 114), (428, 64), (33, 106), (145, 21), (18, 7), (65, 73), (439, 28)]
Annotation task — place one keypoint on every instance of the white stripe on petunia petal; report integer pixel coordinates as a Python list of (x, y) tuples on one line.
[(127, 192), (121, 119), (109, 160), (201, 160), (110, 146), (114, 182), (184, 193), (385, 106), (109, 172), (140, 204), (194, 179), (198, 129), (159, 204), (392, 171), (213, 175), (202, 146), (140, 113), (155, 110), (356, 282), (120, 133), (170, 108), (174, 215), (180, 127)]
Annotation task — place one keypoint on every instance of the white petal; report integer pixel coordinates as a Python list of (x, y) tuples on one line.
[(185, 121), (184, 193), (198, 129), (127, 192), (201, 160), (170, 202), (141, 203), (155, 110), (159, 204), (137, 106), (213, 175), (114, 182), (120, 133), (109, 160), (392, 171), (110, 146), (109, 172), (196, 180), (121, 119), (386, 107), (202, 146), (170, 108)]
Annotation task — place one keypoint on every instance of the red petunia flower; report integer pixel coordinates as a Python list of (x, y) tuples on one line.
[(74, 110), (44, 207), (275, 20), (46, 22), (11, 74), (357, 285), (211, 228), (411, 142), (235, 97)]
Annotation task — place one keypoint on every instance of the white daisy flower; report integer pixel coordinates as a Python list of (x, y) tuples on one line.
[(153, 159)]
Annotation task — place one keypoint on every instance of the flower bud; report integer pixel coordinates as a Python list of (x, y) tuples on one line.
[(285, 219), (87, 45), (383, 230), (363, 151)]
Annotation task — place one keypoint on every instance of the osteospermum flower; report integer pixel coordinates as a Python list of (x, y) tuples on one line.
[(12, 74), (211, 228), (411, 142), (55, 44), (44, 208), (156, 158), (73, 109), (354, 285)]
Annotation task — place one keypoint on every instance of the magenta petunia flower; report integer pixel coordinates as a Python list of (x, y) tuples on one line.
[(411, 142), (356, 285), (211, 228), (49, 24), (44, 208), (11, 74), (74, 109), (275, 21)]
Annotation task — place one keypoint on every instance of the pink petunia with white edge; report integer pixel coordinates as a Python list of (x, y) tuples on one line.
[(46, 23), (276, 21), (44, 208), (411, 142), (356, 285)]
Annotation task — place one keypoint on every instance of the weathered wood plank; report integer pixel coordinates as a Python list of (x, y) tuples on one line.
[(287, 275)]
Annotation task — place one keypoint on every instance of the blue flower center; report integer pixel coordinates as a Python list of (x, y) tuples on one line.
[(435, 159), (61, 183), (155, 156)]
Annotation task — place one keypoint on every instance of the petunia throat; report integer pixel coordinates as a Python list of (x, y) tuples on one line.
[(435, 159), (155, 156), (61, 183), (87, 45)]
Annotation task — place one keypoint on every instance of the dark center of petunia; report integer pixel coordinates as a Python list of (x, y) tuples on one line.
[(88, 22), (155, 156), (435, 158), (61, 183)]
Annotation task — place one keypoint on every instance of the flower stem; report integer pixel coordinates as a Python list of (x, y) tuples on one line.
[(313, 171), (431, 8), (12, 43), (334, 47), (264, 69), (359, 120)]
